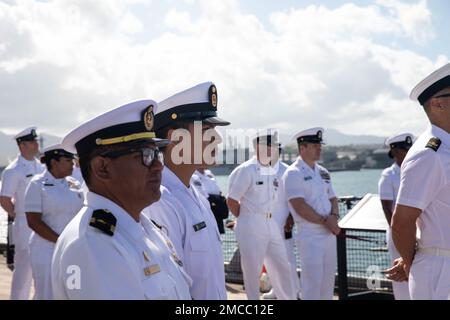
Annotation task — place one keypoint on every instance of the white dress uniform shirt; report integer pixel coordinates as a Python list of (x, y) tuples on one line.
[(257, 189), (76, 174), (15, 179), (388, 186), (316, 244), (136, 262), (281, 207), (190, 224), (313, 185), (58, 200), (425, 185), (205, 183)]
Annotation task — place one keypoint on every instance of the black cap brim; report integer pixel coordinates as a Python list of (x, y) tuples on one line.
[(216, 121), (160, 143)]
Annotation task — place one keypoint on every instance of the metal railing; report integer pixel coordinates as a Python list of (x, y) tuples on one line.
[(361, 257)]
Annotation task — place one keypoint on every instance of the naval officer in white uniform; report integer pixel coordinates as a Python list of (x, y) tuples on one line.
[(388, 186), (253, 195), (52, 199), (423, 200), (109, 250), (314, 206), (15, 179), (188, 119)]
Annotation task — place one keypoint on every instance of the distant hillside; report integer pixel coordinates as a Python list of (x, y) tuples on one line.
[(8, 146), (336, 138)]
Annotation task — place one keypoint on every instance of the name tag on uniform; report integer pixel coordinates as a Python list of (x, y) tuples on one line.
[(307, 178), (48, 184), (28, 175), (155, 268), (258, 183), (199, 226)]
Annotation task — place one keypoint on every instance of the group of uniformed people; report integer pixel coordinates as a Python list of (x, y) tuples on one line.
[(146, 225), (267, 197)]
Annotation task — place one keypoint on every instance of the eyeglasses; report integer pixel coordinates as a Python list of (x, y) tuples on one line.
[(148, 155), (443, 95)]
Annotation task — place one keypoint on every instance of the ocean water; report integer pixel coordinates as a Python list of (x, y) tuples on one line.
[(345, 183)]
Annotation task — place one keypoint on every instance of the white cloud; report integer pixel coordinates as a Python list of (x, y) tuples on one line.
[(414, 19), (63, 61)]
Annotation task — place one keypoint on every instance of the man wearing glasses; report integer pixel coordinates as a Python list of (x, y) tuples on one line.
[(188, 119), (423, 201), (110, 251)]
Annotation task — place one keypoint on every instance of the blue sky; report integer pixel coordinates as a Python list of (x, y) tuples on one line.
[(440, 10), (286, 64)]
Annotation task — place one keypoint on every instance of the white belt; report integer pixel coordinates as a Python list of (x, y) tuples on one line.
[(435, 252), (267, 215)]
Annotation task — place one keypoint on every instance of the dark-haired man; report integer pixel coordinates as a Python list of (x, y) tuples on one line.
[(423, 201), (188, 119), (110, 251)]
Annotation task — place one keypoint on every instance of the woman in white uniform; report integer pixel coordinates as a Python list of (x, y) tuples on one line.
[(51, 201)]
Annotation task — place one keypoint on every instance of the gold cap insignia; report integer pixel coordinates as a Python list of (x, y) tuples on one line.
[(149, 118), (213, 96), (174, 116)]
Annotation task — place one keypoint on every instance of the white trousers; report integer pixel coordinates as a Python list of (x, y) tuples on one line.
[(22, 277), (318, 259), (41, 253), (401, 289), (260, 242), (429, 277)]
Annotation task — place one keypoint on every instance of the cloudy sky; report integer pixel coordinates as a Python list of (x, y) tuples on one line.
[(285, 63)]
